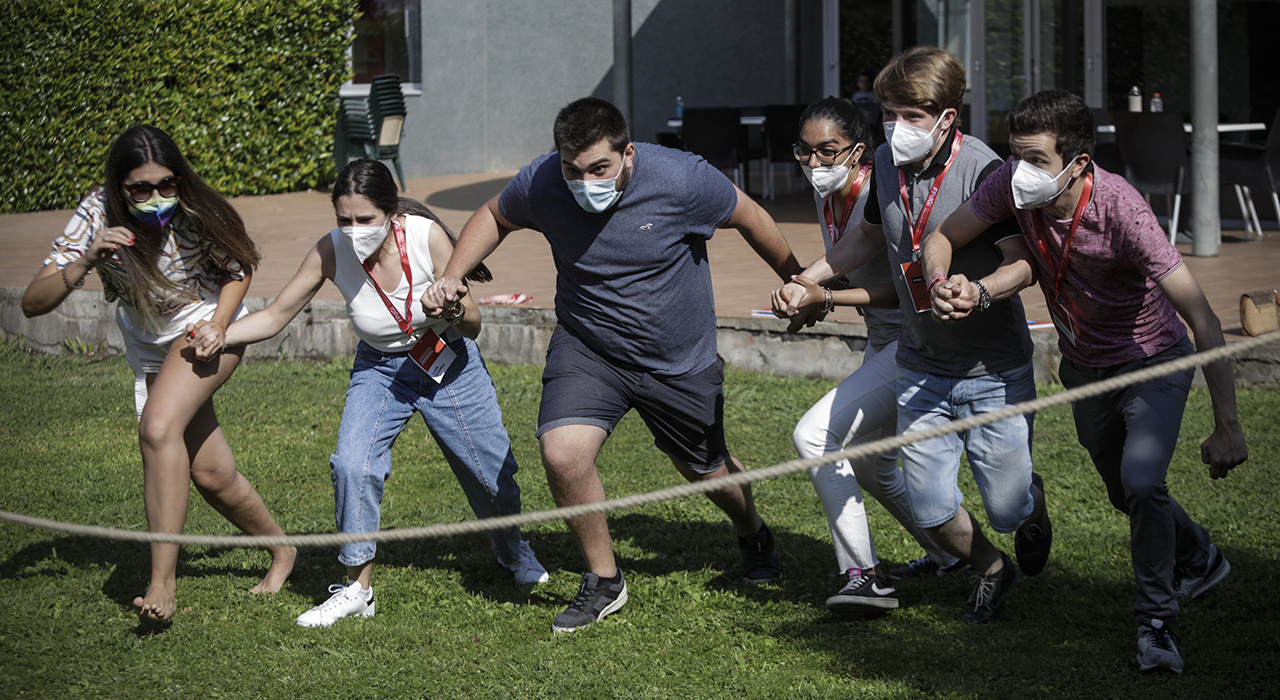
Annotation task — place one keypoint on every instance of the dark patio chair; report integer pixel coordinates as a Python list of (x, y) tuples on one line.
[(371, 126), (1249, 168), (715, 133), (1154, 149), (1106, 152)]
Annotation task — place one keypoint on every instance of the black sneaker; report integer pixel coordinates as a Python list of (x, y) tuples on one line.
[(760, 556), (989, 593), (595, 599), (1158, 648), (925, 566), (864, 595), (1033, 539), (1188, 587)]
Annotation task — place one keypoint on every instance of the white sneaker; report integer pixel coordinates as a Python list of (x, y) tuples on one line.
[(346, 601), (1158, 648), (526, 567)]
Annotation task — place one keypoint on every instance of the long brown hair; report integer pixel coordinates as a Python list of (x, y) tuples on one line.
[(372, 180), (211, 216)]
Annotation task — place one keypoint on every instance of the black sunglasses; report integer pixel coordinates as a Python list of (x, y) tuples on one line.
[(141, 191)]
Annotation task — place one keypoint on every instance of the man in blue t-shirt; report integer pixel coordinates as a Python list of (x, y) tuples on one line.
[(628, 225)]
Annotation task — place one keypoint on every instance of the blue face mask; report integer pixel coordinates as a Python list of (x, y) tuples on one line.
[(596, 196), (156, 211)]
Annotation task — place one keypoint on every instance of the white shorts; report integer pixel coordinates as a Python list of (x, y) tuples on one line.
[(145, 350)]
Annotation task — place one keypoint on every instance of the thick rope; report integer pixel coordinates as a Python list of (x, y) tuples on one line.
[(684, 490)]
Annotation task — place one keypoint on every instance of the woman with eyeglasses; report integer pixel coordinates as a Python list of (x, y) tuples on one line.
[(382, 256), (836, 152), (172, 252)]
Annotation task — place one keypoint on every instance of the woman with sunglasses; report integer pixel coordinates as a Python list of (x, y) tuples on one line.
[(836, 152), (172, 252), (383, 255)]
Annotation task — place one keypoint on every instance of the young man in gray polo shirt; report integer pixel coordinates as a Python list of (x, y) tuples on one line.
[(950, 371), (628, 225)]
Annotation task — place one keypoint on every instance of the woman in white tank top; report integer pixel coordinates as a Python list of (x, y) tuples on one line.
[(383, 255)]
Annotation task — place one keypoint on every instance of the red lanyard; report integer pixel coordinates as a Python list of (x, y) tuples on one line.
[(1085, 191), (849, 202), (405, 325), (917, 231)]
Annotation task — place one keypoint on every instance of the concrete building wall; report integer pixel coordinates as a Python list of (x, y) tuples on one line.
[(495, 72)]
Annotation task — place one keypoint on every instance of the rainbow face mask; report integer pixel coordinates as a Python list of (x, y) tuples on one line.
[(156, 211)]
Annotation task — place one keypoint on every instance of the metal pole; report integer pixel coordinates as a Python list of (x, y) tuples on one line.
[(1205, 222), (622, 59)]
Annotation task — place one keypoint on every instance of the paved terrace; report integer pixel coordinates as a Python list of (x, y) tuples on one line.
[(285, 226)]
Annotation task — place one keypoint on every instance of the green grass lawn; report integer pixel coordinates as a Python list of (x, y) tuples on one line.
[(451, 623)]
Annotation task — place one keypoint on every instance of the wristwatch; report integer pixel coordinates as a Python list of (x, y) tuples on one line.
[(984, 297), (455, 312)]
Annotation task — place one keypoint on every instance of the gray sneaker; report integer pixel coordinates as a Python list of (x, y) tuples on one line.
[(1188, 587), (1158, 648), (595, 599)]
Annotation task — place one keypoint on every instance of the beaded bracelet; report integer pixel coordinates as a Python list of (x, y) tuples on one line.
[(828, 303), (67, 282)]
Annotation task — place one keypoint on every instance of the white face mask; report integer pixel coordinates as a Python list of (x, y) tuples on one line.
[(596, 196), (365, 240), (1034, 188), (910, 143), (828, 179)]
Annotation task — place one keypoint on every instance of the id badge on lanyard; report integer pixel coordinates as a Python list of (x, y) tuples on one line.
[(431, 354), (1053, 299), (913, 272)]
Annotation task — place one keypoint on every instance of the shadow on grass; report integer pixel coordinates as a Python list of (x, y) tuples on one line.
[(1063, 634), (1066, 633)]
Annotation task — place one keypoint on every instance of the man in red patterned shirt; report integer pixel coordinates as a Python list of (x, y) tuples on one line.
[(1115, 287)]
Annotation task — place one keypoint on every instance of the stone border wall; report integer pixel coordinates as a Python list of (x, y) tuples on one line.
[(517, 335)]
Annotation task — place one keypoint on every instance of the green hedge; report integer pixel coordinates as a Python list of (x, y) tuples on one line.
[(248, 88)]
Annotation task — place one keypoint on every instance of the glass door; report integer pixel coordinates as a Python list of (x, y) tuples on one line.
[(1026, 46)]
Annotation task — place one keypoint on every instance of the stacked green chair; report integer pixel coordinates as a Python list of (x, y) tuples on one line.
[(371, 127)]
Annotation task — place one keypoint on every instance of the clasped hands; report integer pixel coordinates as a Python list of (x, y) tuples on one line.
[(954, 298), (800, 301), (207, 339), (444, 297)]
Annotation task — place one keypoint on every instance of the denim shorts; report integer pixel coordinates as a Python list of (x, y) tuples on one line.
[(999, 453), (684, 413)]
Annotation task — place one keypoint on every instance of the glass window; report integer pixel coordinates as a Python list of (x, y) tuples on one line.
[(388, 40)]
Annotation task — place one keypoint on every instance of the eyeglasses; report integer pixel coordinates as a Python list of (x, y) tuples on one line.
[(141, 191), (826, 156)]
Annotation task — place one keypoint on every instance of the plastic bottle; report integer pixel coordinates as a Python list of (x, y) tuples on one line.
[(1135, 99), (679, 107), (1157, 104)]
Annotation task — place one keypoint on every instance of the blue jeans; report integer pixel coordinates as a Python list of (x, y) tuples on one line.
[(1131, 434), (999, 453), (463, 416)]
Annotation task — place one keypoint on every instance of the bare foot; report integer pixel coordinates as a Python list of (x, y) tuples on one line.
[(282, 559), (157, 605)]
